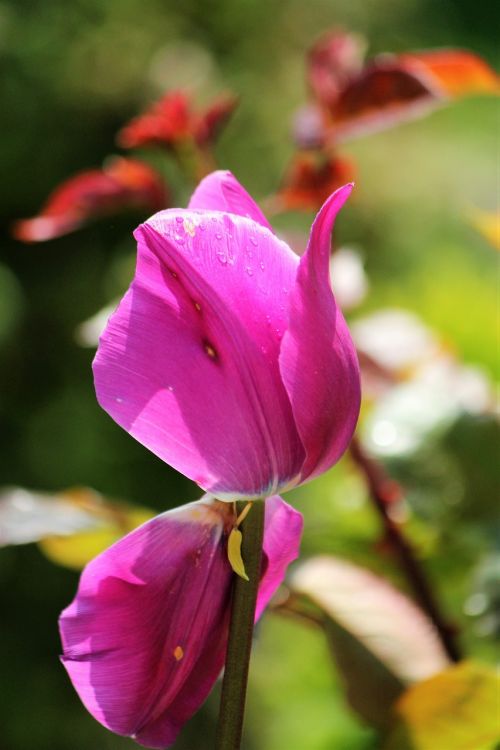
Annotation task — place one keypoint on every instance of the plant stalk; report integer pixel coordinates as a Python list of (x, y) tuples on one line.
[(383, 490), (234, 684)]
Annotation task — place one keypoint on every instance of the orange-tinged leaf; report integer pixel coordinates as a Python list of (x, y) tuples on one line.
[(395, 88), (311, 178), (457, 72), (457, 709), (122, 184)]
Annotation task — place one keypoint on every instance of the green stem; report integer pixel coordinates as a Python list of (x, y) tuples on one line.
[(234, 685)]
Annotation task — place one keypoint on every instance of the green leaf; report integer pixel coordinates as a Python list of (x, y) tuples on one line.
[(454, 710), (380, 640)]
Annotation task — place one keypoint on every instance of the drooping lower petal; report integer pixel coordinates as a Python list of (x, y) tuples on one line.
[(188, 363), (221, 191), (145, 638), (318, 360), (282, 533)]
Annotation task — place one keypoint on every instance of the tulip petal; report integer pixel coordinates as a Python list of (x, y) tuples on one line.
[(282, 533), (145, 638), (188, 363), (221, 191), (151, 615), (318, 360)]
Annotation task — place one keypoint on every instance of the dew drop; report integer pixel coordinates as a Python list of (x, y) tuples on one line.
[(254, 241), (249, 270), (218, 236), (189, 227), (179, 219), (119, 400), (222, 258), (262, 266)]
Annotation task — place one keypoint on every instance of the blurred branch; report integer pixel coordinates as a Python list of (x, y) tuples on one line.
[(383, 491)]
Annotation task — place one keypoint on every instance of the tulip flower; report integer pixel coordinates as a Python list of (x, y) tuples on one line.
[(145, 638), (229, 359)]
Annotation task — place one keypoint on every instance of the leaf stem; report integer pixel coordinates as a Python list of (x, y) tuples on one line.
[(234, 685), (383, 490)]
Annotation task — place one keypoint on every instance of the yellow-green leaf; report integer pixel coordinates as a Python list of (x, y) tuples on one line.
[(458, 709), (76, 550)]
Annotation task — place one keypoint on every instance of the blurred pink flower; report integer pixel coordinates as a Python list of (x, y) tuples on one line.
[(229, 359)]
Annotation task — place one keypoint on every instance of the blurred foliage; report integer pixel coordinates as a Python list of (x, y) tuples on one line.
[(72, 75)]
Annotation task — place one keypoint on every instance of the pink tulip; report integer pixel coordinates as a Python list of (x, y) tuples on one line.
[(230, 360), (228, 357), (145, 638)]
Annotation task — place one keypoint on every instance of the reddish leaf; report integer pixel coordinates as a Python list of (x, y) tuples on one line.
[(311, 178), (171, 121), (122, 183), (165, 123), (396, 88), (382, 95), (213, 119)]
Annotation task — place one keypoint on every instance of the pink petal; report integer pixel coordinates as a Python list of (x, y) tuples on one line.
[(145, 638), (188, 363), (282, 533), (221, 191), (318, 360)]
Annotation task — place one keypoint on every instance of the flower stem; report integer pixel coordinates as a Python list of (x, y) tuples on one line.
[(234, 685), (383, 490)]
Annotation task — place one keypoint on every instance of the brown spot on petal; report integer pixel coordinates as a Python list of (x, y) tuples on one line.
[(178, 653), (212, 353)]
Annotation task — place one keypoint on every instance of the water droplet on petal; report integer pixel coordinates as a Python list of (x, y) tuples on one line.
[(222, 258), (249, 270), (262, 266), (179, 219), (218, 236), (254, 241)]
